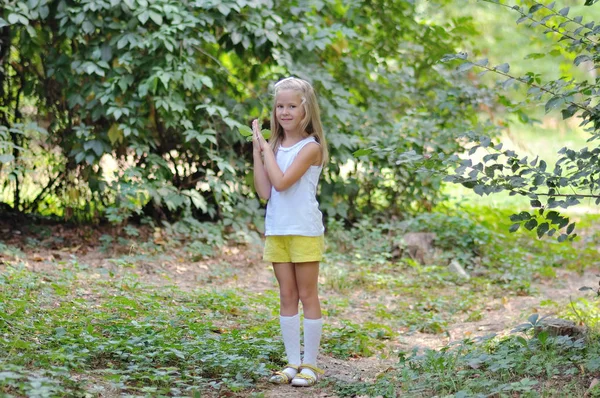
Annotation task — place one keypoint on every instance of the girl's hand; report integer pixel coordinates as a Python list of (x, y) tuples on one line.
[(257, 138), (256, 145)]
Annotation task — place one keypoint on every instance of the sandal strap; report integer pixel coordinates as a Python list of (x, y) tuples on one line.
[(295, 367), (312, 367), (305, 377), (284, 376)]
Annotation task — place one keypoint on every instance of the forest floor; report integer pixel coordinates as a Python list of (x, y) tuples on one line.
[(241, 268)]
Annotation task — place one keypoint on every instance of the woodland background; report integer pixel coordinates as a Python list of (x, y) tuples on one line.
[(130, 230)]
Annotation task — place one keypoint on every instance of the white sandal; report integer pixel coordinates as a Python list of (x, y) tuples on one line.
[(283, 378), (306, 379)]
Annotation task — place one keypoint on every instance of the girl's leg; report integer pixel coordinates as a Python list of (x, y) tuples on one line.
[(307, 280), (288, 288), (289, 318), (307, 275)]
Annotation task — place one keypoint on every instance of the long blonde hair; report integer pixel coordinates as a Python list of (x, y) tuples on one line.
[(311, 123)]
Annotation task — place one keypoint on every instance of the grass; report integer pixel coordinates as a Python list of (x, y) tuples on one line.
[(143, 339), (71, 328)]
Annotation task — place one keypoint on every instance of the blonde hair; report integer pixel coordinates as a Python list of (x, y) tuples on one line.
[(311, 123)]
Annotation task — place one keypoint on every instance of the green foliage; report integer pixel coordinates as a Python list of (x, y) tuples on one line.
[(574, 176), (137, 338), (516, 364), (353, 340), (142, 339), (143, 101)]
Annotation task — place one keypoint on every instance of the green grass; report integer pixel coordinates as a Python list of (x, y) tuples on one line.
[(142, 339), (521, 365)]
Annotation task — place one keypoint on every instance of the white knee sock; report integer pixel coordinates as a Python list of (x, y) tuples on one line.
[(312, 339), (290, 330)]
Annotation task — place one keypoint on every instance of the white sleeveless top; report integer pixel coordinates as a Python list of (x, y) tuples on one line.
[(295, 211)]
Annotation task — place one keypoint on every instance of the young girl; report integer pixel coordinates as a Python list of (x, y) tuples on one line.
[(286, 172)]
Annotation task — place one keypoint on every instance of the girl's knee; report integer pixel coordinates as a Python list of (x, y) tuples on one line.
[(289, 295), (308, 296)]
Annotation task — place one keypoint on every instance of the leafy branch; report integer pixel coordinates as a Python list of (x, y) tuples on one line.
[(543, 22)]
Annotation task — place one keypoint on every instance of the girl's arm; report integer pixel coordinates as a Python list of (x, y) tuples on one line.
[(261, 178), (308, 156)]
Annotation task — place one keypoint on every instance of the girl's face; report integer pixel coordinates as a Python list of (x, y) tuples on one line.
[(289, 110)]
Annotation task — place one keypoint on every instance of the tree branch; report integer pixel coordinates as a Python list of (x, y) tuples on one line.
[(552, 28), (523, 80), (41, 195)]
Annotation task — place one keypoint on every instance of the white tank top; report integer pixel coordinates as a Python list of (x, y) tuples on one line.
[(295, 211)]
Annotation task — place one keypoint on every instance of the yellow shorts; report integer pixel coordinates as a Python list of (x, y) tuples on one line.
[(294, 249)]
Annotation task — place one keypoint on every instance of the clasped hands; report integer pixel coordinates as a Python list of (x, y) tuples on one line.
[(258, 141)]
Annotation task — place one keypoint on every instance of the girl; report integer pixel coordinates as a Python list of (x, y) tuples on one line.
[(286, 172)]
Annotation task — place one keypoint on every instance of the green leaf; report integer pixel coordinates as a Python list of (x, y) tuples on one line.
[(115, 134), (206, 81), (503, 67), (514, 227), (581, 58), (564, 12), (534, 8), (13, 18), (535, 55), (143, 17), (522, 340), (536, 203), (245, 131), (570, 228), (88, 27), (531, 224), (570, 111), (223, 9), (156, 17), (562, 237), (542, 229), (465, 67), (533, 318), (554, 103), (197, 200), (362, 152), (266, 133), (44, 11), (522, 216)]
